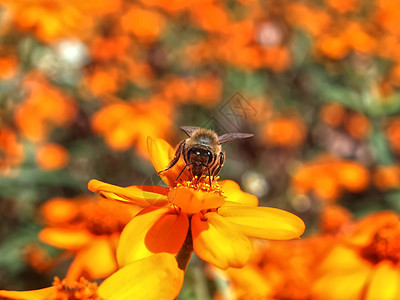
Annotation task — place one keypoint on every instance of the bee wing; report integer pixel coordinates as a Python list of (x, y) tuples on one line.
[(189, 129), (229, 137)]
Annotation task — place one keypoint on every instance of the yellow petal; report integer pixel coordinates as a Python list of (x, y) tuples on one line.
[(46, 293), (71, 239), (219, 242), (161, 154), (98, 260), (152, 278), (344, 270), (142, 195), (347, 285), (233, 193), (264, 222), (191, 201), (341, 259), (385, 283), (152, 231)]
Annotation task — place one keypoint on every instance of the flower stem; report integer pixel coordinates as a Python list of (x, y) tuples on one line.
[(186, 251)]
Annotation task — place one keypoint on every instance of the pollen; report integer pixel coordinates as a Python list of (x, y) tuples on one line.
[(75, 290), (203, 184), (384, 245)]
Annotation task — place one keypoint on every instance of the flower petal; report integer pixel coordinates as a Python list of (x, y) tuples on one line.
[(234, 194), (219, 242), (385, 283), (152, 231), (345, 270), (142, 195), (161, 154), (191, 201), (152, 278), (345, 285), (96, 261), (45, 293), (264, 222), (71, 239)]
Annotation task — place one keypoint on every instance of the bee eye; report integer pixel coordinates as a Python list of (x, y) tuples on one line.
[(198, 153), (208, 153)]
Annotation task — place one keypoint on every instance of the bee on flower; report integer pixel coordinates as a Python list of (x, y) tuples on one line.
[(215, 219)]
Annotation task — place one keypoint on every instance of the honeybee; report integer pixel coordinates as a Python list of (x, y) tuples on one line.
[(202, 151)]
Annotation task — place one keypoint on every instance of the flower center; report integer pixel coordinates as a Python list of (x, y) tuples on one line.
[(196, 196), (202, 184), (384, 244), (106, 217), (75, 290)]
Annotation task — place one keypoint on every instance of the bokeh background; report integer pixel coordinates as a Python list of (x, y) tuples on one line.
[(84, 83)]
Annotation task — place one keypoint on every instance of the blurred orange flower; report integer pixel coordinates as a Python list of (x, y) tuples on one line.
[(145, 24), (356, 124), (127, 124), (205, 90), (219, 219), (284, 132), (87, 228), (8, 67), (327, 177), (44, 108), (387, 177), (52, 156), (129, 282), (366, 264), (51, 20), (11, 151), (102, 80), (313, 19), (333, 114)]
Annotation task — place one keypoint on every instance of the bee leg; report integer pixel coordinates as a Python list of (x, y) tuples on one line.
[(178, 152), (217, 169), (181, 172), (209, 175)]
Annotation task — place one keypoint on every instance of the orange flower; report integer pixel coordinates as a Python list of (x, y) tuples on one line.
[(125, 124), (203, 90), (218, 219), (8, 67), (107, 48), (11, 152), (89, 229), (145, 24), (52, 156), (102, 80), (314, 20), (45, 107), (387, 177), (366, 264), (327, 177), (333, 46), (285, 132), (333, 114), (51, 20), (129, 282)]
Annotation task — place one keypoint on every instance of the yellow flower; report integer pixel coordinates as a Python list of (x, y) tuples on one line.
[(162, 280), (217, 221)]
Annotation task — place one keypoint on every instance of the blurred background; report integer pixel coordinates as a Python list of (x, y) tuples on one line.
[(84, 83)]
